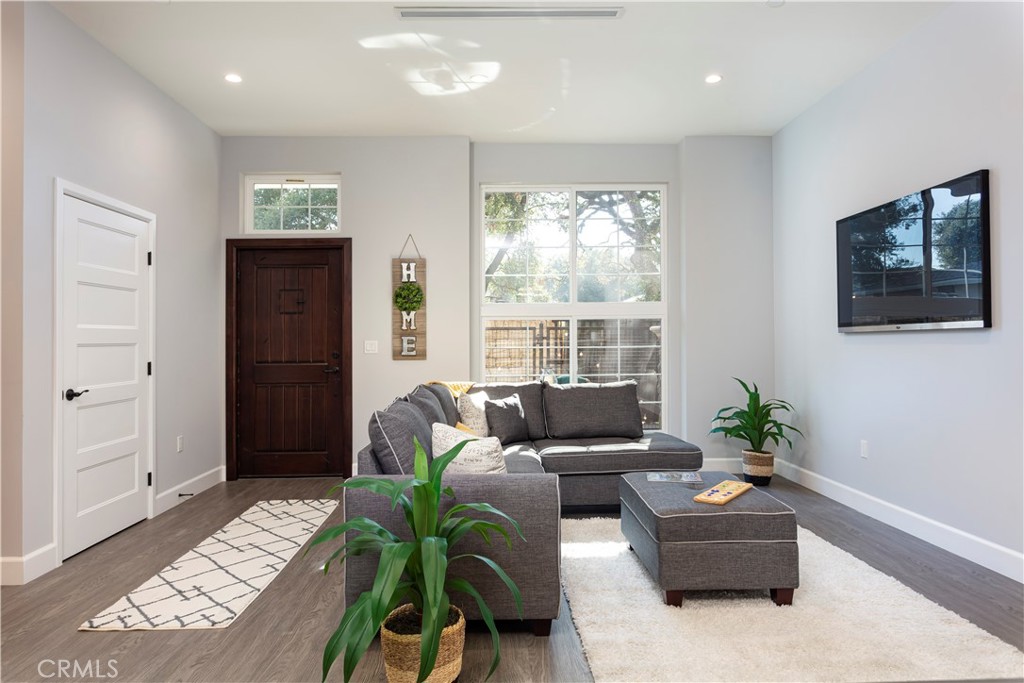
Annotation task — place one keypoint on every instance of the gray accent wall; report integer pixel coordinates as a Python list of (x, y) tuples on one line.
[(727, 288), (390, 187), (12, 106), (941, 410), (92, 121)]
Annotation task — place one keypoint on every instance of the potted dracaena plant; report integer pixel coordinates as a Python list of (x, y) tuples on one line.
[(422, 640), (756, 425)]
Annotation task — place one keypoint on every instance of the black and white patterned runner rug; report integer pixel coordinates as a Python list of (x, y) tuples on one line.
[(210, 585)]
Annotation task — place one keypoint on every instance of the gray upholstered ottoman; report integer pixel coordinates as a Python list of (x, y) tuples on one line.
[(748, 543)]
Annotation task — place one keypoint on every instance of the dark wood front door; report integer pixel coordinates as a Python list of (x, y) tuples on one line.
[(289, 358)]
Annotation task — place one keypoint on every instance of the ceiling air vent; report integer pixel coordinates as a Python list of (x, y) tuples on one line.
[(508, 12)]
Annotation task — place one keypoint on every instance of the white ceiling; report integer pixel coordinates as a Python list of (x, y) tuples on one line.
[(342, 68)]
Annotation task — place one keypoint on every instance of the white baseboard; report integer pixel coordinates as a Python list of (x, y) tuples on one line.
[(15, 571), (998, 558), (722, 465), (168, 499)]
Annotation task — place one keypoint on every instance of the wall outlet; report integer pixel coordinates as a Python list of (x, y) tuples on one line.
[(370, 346), (181, 443), (864, 448)]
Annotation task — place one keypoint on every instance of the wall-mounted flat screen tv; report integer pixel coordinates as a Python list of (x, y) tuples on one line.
[(920, 262)]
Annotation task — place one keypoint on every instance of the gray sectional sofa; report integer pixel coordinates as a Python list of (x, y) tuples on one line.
[(573, 444), (587, 434)]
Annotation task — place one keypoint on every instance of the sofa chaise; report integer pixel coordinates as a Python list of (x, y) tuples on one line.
[(564, 446)]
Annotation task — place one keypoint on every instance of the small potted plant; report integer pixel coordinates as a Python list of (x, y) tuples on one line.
[(422, 640), (756, 425)]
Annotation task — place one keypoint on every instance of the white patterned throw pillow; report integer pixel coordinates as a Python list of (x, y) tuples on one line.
[(481, 456), (472, 413)]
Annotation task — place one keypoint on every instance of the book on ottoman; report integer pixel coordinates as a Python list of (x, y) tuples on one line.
[(723, 492)]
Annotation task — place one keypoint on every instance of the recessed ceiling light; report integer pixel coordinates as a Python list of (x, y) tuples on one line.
[(711, 79), (233, 78)]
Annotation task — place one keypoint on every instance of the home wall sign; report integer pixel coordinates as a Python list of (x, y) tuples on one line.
[(409, 305)]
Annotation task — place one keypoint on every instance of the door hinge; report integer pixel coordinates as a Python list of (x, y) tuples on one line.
[(149, 368), (149, 258), (149, 478)]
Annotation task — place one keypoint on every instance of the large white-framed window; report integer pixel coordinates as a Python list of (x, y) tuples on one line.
[(291, 203), (571, 283)]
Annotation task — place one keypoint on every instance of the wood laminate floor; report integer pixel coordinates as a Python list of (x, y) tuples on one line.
[(280, 636)]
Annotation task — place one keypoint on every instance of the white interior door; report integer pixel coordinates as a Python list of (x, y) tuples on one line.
[(104, 355)]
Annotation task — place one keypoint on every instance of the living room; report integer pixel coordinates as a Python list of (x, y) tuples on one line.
[(750, 246)]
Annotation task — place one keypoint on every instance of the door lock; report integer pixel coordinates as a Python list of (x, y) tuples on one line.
[(71, 394)]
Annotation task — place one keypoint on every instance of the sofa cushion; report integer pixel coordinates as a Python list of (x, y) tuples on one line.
[(654, 451), (446, 401), (479, 456), (427, 402), (583, 411), (506, 420), (471, 413), (529, 395), (522, 458), (391, 434)]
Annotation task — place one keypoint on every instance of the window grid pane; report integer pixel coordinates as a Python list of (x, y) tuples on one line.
[(305, 206), (524, 350), (606, 350), (619, 245)]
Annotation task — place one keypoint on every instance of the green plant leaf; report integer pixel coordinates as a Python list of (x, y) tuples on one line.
[(501, 575), (481, 527), (420, 462), (439, 463), (483, 507), (434, 556), (389, 571), (390, 488), (346, 637), (363, 524), (357, 546), (463, 586)]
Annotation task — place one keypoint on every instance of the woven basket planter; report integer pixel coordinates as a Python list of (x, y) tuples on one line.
[(402, 652), (758, 467)]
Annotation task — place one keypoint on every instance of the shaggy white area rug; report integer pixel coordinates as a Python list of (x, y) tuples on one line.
[(210, 585), (848, 622)]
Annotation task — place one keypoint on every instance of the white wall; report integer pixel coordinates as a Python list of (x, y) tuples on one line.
[(553, 164), (727, 262), (92, 121), (941, 411), (390, 187)]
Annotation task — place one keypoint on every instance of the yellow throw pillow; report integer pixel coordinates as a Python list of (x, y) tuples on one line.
[(464, 428)]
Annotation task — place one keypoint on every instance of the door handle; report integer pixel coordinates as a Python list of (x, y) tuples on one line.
[(71, 394), (327, 371)]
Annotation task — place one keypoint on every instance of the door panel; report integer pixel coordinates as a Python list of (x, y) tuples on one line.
[(293, 358), (105, 331)]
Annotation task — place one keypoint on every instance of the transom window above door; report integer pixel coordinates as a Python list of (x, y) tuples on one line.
[(292, 203)]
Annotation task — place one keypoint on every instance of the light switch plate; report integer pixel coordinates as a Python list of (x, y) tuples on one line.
[(370, 346)]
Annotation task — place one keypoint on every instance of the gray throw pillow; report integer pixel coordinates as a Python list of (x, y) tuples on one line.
[(529, 395), (391, 433), (446, 401), (506, 420), (583, 411), (424, 399)]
